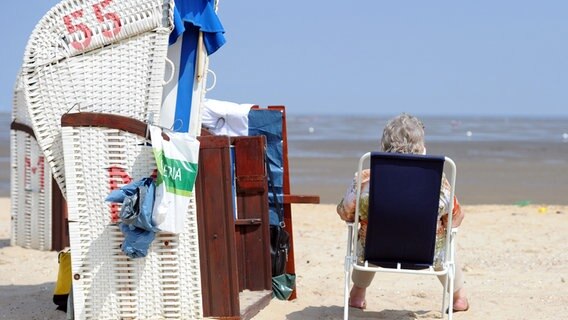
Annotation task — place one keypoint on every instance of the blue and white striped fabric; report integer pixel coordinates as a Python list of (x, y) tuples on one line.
[(195, 21)]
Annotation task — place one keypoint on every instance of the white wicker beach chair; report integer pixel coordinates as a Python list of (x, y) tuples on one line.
[(166, 284), (97, 56), (30, 180)]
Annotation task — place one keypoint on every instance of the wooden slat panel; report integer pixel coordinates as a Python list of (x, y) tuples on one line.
[(219, 273), (253, 242)]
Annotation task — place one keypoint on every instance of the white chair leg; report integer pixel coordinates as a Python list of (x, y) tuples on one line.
[(346, 289), (446, 281), (451, 276), (347, 269)]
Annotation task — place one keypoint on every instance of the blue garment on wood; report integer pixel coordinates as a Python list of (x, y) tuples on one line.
[(269, 124)]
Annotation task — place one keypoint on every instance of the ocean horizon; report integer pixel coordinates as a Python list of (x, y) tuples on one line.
[(528, 155)]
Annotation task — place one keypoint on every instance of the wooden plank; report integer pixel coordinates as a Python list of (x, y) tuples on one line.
[(248, 222), (95, 119), (218, 259), (59, 221), (22, 127), (254, 301), (289, 199), (253, 240)]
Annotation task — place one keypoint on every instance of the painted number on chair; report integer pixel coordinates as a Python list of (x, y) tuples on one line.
[(74, 25)]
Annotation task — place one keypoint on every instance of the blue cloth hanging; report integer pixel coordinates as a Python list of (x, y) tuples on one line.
[(137, 200), (269, 124)]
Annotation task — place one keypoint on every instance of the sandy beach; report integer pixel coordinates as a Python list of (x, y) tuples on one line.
[(514, 260)]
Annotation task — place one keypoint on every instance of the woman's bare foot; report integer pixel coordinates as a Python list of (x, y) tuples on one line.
[(357, 298), (460, 301)]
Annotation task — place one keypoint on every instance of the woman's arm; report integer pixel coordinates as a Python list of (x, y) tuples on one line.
[(457, 214), (346, 207)]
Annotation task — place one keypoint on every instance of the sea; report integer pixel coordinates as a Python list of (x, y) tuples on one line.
[(512, 150), (316, 128)]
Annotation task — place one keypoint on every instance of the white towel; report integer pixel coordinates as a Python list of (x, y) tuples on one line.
[(225, 118)]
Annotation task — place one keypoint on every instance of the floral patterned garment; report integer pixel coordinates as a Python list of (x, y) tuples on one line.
[(346, 210)]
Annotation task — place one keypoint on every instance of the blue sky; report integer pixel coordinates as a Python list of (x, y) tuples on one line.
[(382, 57)]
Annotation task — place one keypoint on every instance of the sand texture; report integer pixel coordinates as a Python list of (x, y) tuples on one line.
[(515, 263)]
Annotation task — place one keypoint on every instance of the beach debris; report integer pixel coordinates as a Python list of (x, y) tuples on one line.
[(467, 268), (522, 203), (542, 210), (469, 134), (565, 136), (311, 130)]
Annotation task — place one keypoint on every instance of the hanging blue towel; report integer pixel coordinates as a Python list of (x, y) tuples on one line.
[(137, 200), (136, 241), (269, 124)]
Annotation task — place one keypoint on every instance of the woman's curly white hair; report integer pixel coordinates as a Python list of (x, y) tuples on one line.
[(403, 134)]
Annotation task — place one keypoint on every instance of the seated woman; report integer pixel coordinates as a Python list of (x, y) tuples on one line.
[(402, 134)]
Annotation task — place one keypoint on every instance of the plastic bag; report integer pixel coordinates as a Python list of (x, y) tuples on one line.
[(63, 284), (136, 241), (137, 200), (176, 157), (283, 285)]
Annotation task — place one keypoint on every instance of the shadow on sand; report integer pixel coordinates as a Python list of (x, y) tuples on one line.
[(4, 243), (24, 302), (336, 312)]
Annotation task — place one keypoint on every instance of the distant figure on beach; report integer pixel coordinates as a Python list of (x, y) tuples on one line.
[(402, 134)]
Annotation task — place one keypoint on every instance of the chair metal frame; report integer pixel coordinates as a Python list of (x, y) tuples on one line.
[(448, 266)]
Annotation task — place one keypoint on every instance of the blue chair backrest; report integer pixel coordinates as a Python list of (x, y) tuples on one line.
[(404, 197)]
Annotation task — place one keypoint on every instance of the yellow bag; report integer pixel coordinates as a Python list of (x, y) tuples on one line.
[(63, 284)]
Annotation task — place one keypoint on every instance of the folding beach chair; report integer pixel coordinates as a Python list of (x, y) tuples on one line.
[(404, 195)]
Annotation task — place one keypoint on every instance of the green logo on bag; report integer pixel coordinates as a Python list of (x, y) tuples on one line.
[(179, 176)]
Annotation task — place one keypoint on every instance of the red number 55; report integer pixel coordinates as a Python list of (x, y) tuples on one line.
[(112, 16), (85, 30), (78, 27)]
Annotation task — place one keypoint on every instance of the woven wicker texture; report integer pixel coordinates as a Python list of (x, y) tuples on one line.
[(79, 56), (166, 284), (30, 179)]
